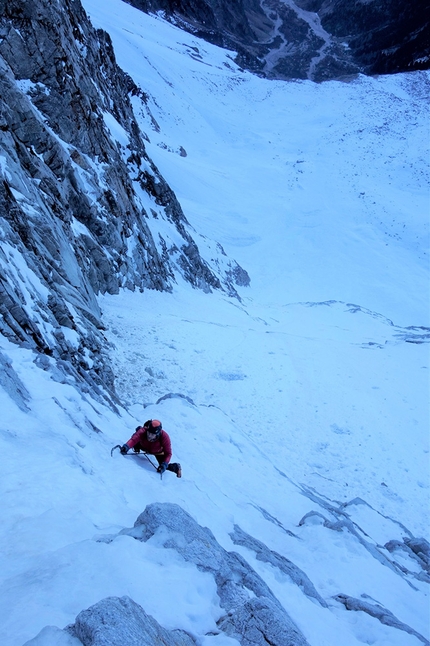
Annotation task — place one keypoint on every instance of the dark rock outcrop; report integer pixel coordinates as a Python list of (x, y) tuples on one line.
[(384, 37), (74, 174), (421, 548)]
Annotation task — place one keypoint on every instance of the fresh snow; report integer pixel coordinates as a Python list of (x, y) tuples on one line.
[(308, 392)]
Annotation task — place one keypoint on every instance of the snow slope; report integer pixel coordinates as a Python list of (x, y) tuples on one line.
[(310, 394)]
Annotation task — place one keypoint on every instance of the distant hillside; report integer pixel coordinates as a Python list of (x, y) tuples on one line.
[(315, 39)]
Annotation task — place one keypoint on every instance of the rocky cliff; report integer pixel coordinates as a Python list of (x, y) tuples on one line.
[(83, 210), (315, 39)]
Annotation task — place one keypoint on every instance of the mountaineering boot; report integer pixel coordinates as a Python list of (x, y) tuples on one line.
[(176, 468)]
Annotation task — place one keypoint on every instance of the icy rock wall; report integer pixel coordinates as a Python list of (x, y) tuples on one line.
[(77, 190)]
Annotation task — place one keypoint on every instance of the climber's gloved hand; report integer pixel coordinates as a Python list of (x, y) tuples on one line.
[(124, 449), (161, 469)]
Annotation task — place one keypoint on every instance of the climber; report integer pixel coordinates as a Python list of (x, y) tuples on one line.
[(152, 439)]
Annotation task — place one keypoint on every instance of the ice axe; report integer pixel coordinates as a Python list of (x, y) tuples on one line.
[(118, 446)]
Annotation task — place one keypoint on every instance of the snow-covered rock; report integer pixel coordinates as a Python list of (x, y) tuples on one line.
[(83, 210), (119, 621), (112, 622), (254, 615)]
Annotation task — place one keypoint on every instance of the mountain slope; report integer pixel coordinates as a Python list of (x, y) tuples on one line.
[(298, 411), (315, 39)]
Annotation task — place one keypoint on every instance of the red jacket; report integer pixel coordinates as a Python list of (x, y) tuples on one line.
[(161, 445)]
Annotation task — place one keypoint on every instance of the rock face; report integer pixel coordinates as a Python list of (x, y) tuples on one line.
[(315, 39), (81, 203), (258, 622), (12, 384), (118, 621)]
